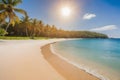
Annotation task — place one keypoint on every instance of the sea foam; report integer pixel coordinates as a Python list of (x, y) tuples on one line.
[(80, 66)]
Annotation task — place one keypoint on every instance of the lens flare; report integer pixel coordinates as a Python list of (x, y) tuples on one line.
[(66, 11)]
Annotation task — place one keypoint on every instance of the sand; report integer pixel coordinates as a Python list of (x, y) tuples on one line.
[(69, 71), (24, 60)]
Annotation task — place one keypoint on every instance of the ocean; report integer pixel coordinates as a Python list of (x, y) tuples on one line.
[(99, 57)]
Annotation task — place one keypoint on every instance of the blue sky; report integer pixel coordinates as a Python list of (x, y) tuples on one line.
[(94, 15)]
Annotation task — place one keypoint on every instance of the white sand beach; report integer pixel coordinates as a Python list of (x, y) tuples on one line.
[(33, 60), (22, 60)]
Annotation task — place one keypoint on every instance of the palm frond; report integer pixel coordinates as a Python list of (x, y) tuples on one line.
[(16, 2), (21, 11), (3, 6), (3, 16), (13, 18), (25, 19), (16, 19), (10, 1), (4, 1)]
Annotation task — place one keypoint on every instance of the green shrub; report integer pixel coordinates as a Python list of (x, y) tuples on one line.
[(2, 32)]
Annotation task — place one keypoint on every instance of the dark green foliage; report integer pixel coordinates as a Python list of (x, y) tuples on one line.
[(2, 32), (35, 28)]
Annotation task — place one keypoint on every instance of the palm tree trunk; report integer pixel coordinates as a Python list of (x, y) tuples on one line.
[(26, 32), (7, 26), (33, 33)]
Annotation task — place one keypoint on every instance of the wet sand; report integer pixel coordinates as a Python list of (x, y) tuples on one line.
[(67, 70)]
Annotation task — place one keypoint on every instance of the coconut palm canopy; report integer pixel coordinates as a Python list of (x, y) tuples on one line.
[(64, 14), (8, 11)]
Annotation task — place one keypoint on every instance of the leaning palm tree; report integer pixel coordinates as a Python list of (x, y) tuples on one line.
[(8, 12)]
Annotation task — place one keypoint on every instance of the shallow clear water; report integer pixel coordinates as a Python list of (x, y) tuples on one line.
[(102, 55)]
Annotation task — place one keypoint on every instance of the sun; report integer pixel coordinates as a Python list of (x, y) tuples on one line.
[(66, 11)]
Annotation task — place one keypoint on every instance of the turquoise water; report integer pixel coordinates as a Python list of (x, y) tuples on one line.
[(101, 55)]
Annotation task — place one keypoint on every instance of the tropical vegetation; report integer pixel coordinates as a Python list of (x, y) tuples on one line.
[(2, 32), (29, 27), (8, 12)]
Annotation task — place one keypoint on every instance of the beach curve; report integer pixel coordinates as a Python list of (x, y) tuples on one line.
[(69, 71)]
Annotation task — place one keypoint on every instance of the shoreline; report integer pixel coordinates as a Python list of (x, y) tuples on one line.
[(67, 70)]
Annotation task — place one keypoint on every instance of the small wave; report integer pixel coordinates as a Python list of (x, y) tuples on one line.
[(86, 69)]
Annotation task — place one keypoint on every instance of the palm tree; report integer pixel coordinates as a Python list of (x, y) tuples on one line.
[(8, 11), (40, 26), (26, 22), (34, 27)]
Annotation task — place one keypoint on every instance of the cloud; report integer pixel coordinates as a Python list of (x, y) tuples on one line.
[(88, 16), (105, 28)]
